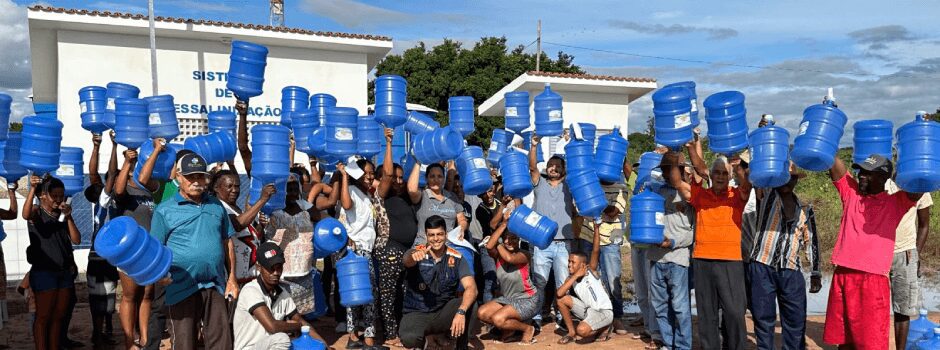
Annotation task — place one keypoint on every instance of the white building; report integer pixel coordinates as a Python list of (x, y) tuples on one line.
[(73, 48), (600, 100)]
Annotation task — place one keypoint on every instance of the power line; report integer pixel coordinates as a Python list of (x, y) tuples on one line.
[(754, 66)]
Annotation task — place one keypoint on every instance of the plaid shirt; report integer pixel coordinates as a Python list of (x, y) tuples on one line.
[(778, 242)]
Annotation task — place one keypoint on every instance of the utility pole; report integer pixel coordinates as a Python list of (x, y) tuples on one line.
[(538, 48), (277, 13), (153, 49)]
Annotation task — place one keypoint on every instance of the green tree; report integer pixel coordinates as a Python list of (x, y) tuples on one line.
[(434, 74)]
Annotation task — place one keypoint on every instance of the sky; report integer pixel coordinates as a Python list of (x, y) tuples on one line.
[(882, 58)]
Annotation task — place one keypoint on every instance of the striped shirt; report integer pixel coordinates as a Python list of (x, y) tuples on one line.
[(778, 241)]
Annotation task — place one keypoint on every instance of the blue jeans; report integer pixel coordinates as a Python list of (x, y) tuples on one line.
[(641, 283), (610, 265), (669, 297), (786, 288), (489, 276), (553, 258)]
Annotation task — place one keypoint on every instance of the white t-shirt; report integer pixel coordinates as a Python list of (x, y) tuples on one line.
[(906, 236), (359, 220), (591, 291), (249, 330)]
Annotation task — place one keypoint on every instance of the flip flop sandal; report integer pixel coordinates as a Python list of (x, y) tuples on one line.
[(565, 340)]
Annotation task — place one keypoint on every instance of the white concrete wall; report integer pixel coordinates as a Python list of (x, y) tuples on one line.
[(98, 58), (603, 110)]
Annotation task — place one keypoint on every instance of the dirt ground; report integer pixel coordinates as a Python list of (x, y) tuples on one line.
[(16, 335)]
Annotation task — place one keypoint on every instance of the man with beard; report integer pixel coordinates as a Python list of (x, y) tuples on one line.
[(859, 299), (197, 229)]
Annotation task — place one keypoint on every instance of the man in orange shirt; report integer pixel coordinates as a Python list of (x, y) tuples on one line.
[(716, 257)]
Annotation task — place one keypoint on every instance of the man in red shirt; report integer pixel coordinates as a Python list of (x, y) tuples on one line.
[(858, 313)]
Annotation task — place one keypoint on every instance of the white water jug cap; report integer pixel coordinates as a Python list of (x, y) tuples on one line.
[(305, 329), (923, 312)]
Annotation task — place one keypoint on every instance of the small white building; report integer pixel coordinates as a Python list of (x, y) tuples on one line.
[(600, 100), (74, 48)]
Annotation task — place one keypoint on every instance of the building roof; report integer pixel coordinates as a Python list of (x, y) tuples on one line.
[(40, 8), (631, 88)]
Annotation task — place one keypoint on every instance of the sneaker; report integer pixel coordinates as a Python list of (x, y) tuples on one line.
[(560, 324)]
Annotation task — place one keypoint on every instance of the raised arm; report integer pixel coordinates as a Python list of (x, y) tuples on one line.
[(112, 165), (674, 177), (120, 186), (94, 178), (695, 155), (533, 160), (838, 170), (243, 149), (30, 210), (344, 198), (146, 171), (451, 176), (388, 167), (10, 213), (414, 192), (245, 219), (293, 148), (596, 248)]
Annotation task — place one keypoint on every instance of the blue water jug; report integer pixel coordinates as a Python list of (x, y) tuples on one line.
[(586, 190), (277, 201), (918, 167), (162, 120), (93, 104), (517, 110), (215, 147), (461, 113), (316, 142), (648, 161), (48, 110), (329, 236), (474, 174), (5, 102), (408, 164), (436, 146), (223, 121), (872, 137), (10, 168), (579, 155), (165, 160), (303, 123), (352, 274), (371, 136), (305, 341), (815, 146), (932, 343), (672, 110), (71, 170), (499, 144), (418, 122), (270, 159), (531, 226), (246, 69), (466, 254), (548, 117), (588, 132), (319, 309), (126, 245), (293, 99), (694, 102), (132, 123), (341, 132), (514, 168), (609, 156), (647, 215), (727, 123), (320, 103), (527, 144), (390, 96), (920, 329), (117, 91), (42, 139), (770, 157)]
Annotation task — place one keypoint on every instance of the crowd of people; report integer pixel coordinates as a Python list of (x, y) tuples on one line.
[(444, 263)]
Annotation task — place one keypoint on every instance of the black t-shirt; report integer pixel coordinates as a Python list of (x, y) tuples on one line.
[(402, 220), (136, 203), (50, 248), (483, 216), (98, 266)]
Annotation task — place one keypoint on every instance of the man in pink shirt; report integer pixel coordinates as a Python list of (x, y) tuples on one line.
[(858, 313)]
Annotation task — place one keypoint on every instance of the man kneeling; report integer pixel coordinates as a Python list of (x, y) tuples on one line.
[(590, 302), (266, 314)]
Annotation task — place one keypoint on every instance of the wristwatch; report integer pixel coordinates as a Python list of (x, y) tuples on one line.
[(461, 312)]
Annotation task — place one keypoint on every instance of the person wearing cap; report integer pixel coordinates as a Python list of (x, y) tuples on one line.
[(785, 228), (197, 229), (857, 315), (669, 260), (265, 315), (717, 257), (552, 199), (431, 306)]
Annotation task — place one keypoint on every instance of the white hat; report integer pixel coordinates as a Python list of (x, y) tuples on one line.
[(353, 169)]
